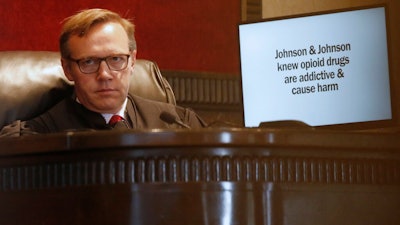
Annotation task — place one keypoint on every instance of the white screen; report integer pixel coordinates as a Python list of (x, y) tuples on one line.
[(322, 70)]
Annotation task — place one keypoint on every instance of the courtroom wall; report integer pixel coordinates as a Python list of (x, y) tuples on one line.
[(178, 35)]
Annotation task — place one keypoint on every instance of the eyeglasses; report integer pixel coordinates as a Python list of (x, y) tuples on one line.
[(92, 64)]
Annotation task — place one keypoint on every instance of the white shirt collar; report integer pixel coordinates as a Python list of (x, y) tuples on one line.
[(121, 112), (107, 116)]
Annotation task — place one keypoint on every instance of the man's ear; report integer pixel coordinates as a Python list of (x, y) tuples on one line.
[(66, 65), (133, 57)]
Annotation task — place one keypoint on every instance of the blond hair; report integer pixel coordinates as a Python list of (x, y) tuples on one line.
[(80, 23)]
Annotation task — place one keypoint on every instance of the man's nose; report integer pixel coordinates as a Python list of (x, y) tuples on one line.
[(104, 72)]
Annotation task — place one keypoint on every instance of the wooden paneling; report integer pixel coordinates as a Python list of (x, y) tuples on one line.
[(251, 10), (216, 97)]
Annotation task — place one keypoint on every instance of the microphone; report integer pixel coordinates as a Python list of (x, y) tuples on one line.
[(171, 119)]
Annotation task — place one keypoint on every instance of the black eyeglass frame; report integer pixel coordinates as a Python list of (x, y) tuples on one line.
[(99, 59)]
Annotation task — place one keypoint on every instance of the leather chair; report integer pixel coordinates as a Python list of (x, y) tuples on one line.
[(33, 81)]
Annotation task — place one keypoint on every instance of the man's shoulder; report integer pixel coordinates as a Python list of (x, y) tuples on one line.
[(66, 115), (149, 108), (62, 106), (139, 101), (40, 123)]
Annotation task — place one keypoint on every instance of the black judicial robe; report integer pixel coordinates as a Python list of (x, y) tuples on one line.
[(68, 115)]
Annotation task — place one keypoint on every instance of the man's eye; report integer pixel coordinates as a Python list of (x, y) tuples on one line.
[(116, 58), (88, 62)]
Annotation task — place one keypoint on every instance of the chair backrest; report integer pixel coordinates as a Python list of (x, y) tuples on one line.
[(33, 81)]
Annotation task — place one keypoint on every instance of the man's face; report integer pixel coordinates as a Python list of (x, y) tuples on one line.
[(103, 91)]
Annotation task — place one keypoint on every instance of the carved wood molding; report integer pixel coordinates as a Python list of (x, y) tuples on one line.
[(197, 168), (206, 90)]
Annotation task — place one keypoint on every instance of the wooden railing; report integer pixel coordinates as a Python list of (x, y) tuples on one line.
[(206, 176)]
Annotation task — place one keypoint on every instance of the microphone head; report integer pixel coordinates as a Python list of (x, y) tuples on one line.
[(167, 117), (171, 119)]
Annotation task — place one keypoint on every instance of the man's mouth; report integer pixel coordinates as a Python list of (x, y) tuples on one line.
[(105, 90)]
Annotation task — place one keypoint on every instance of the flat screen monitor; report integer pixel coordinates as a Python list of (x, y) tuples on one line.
[(322, 69)]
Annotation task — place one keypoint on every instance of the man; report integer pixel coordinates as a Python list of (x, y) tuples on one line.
[(98, 53)]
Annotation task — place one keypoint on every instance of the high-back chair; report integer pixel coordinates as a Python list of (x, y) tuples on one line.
[(33, 81)]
